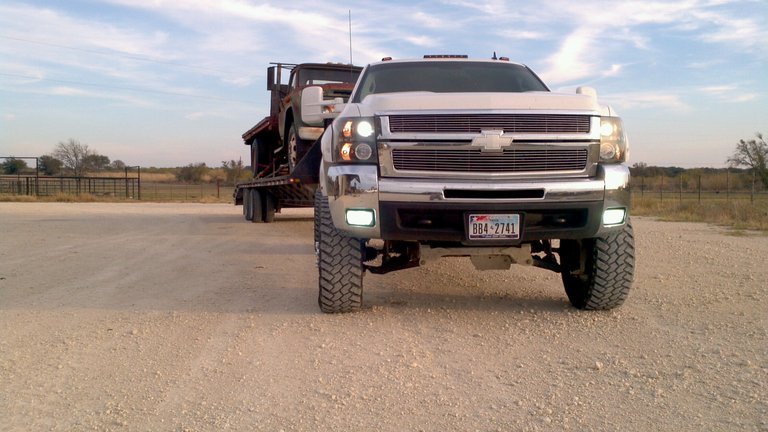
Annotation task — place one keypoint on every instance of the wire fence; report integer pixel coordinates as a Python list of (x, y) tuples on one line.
[(130, 188), (185, 192), (122, 187), (699, 187), (681, 187)]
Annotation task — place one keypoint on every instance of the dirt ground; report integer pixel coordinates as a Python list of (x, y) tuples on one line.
[(183, 317)]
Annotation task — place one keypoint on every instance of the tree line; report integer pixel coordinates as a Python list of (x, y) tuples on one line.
[(74, 158), (68, 157), (77, 159)]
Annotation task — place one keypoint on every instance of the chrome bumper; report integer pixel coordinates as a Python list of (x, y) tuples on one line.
[(359, 187)]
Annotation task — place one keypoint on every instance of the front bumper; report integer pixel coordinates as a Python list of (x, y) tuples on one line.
[(435, 210)]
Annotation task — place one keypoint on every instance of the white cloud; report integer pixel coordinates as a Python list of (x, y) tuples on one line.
[(428, 20), (573, 60), (747, 97), (648, 100), (422, 41), (524, 34), (9, 117), (720, 89), (613, 71)]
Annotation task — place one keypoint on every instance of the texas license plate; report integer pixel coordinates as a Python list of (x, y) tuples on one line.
[(494, 226)]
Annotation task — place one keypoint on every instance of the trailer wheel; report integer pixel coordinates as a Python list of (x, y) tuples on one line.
[(597, 273), (340, 264), (247, 209), (269, 207), (256, 206)]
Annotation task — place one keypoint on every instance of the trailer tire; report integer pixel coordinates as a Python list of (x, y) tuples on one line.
[(269, 207), (340, 265), (257, 208), (608, 269), (247, 205)]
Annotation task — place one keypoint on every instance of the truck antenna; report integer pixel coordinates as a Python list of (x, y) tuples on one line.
[(350, 36)]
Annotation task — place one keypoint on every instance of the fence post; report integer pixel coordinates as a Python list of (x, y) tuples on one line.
[(752, 193), (727, 185), (661, 189), (642, 186), (138, 181), (699, 188), (218, 188), (681, 188)]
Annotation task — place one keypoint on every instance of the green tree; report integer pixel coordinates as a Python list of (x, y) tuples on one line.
[(96, 162), (192, 173), (74, 156), (13, 166), (234, 170), (49, 165), (117, 164), (753, 154)]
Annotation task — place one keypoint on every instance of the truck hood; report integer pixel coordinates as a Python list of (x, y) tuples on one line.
[(427, 101)]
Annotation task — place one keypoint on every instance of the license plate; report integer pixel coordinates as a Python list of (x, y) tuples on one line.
[(494, 226)]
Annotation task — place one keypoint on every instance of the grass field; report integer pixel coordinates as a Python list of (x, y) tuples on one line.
[(738, 211)]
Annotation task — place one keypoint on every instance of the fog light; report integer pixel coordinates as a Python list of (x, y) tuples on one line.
[(607, 151), (363, 151), (360, 217), (614, 216)]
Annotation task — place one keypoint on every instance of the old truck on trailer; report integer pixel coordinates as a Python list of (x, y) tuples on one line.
[(449, 156), (283, 162)]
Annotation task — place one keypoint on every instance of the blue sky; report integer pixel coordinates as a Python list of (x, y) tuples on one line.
[(170, 82)]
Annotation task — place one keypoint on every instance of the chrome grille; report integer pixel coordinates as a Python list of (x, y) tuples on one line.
[(474, 160), (474, 123)]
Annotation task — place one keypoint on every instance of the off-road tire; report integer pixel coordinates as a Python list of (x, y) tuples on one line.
[(340, 265), (608, 269), (318, 202), (257, 206)]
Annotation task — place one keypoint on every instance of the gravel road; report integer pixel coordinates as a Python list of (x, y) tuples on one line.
[(183, 317)]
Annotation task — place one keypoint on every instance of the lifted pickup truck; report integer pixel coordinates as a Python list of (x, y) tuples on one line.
[(450, 156)]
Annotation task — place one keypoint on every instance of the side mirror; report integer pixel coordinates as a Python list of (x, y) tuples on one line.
[(270, 77), (589, 91), (314, 109)]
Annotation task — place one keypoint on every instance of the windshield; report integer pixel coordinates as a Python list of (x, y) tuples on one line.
[(447, 77), (309, 77)]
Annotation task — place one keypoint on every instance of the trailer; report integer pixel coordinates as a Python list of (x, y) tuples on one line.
[(284, 148)]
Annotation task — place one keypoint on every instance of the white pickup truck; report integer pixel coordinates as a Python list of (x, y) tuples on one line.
[(450, 156)]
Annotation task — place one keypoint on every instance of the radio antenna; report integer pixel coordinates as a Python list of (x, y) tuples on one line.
[(350, 36)]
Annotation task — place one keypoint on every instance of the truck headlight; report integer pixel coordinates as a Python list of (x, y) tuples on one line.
[(613, 141), (356, 140)]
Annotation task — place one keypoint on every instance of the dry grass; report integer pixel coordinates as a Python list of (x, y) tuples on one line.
[(738, 214), (59, 197), (207, 199), (160, 177)]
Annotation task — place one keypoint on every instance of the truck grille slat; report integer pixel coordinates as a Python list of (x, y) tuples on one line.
[(475, 123), (474, 160)]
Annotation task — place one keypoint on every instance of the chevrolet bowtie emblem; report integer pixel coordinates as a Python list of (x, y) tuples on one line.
[(492, 141)]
